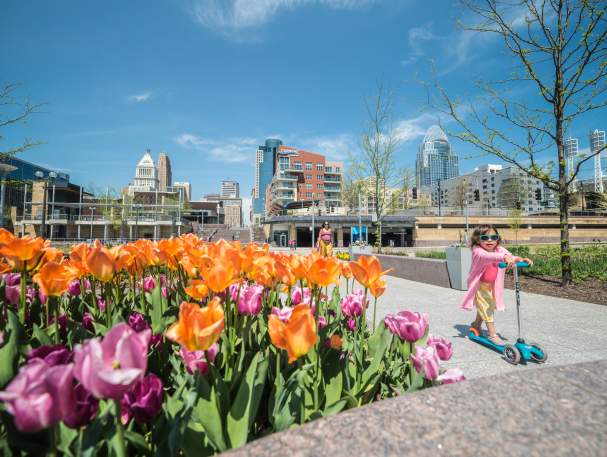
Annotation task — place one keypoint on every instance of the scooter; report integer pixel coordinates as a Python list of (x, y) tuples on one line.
[(520, 351)]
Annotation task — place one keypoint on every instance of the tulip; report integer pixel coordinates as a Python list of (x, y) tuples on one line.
[(53, 279), (101, 304), (12, 279), (110, 368), (367, 270), (352, 305), (149, 284), (297, 336), (451, 376), (249, 302), (39, 396), (137, 322), (335, 342), (23, 253), (144, 401), (426, 359), (100, 262), (324, 271), (73, 288), (407, 325), (85, 408), (322, 322), (87, 322), (198, 328), (198, 290), (156, 340), (52, 354), (351, 324), (12, 294), (444, 348), (297, 296), (283, 314), (198, 360)]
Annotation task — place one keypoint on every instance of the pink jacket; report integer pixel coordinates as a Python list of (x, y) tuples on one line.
[(480, 260)]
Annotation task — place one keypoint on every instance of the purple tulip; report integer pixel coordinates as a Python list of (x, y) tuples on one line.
[(249, 302), (85, 408), (101, 304), (137, 322), (87, 322), (12, 279), (352, 305), (73, 288), (144, 401), (322, 322), (351, 324), (156, 340), (283, 314), (444, 348), (198, 360), (40, 395), (87, 284), (30, 294), (42, 297), (451, 376), (407, 325), (297, 296), (12, 294), (53, 355), (163, 291), (110, 368), (63, 321), (149, 284), (426, 359)]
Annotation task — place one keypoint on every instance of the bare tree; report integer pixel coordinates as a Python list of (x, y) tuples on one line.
[(515, 221), (560, 47), (378, 145), (12, 112)]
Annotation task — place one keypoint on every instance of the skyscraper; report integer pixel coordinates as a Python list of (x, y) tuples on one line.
[(571, 151), (165, 176), (187, 189), (146, 178), (597, 141), (435, 159), (230, 189), (265, 164)]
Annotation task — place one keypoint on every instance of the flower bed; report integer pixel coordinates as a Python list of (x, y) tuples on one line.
[(181, 347)]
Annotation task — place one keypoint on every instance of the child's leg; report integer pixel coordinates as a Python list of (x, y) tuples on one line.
[(478, 321)]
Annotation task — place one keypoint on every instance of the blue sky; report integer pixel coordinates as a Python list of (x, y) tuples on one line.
[(208, 80)]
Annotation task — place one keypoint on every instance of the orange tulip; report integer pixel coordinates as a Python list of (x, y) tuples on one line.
[(198, 290), (335, 342), (367, 270), (297, 336), (263, 271), (5, 236), (324, 271), (346, 271), (377, 287), (100, 262), (197, 328), (22, 253), (218, 276), (53, 278)]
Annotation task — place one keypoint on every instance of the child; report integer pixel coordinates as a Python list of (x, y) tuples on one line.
[(486, 280)]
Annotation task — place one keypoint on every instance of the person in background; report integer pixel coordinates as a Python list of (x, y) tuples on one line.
[(325, 240)]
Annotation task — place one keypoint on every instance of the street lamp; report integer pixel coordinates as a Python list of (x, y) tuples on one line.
[(51, 176), (4, 170)]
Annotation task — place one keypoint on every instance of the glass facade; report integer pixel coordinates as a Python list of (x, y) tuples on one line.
[(265, 172), (435, 159)]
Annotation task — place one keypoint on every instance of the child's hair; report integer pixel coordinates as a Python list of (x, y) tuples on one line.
[(481, 230)]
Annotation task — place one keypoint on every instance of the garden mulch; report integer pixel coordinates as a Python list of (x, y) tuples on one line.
[(591, 291)]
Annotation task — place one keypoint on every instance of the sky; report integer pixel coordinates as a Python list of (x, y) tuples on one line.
[(206, 81)]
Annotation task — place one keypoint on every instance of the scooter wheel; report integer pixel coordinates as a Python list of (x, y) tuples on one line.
[(512, 354), (542, 350)]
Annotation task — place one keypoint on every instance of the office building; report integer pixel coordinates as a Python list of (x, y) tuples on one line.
[(230, 189), (435, 159), (185, 188), (265, 168), (146, 175), (165, 176), (597, 142)]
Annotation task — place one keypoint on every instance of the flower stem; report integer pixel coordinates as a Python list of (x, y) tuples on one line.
[(23, 286), (121, 445), (54, 301), (374, 312)]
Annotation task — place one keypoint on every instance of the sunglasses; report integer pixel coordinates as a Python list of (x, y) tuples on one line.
[(489, 237)]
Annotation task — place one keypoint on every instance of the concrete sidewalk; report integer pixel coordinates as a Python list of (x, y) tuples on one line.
[(570, 331)]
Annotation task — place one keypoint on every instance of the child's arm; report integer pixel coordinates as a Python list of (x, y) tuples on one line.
[(490, 257)]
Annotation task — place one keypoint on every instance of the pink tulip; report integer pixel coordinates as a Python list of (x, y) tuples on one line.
[(101, 304), (322, 322), (444, 348), (149, 284), (283, 314), (137, 322), (163, 291), (12, 279), (42, 297), (427, 359), (144, 401), (87, 322), (30, 294), (12, 294), (407, 325), (40, 395), (298, 296), (198, 360), (352, 305), (85, 408), (73, 288), (110, 368), (233, 290), (351, 324), (451, 376), (53, 355), (249, 302)]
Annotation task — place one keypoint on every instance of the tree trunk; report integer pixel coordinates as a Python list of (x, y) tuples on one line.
[(566, 272)]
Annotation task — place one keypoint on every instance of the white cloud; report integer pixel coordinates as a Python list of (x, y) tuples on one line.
[(336, 147), (228, 17), (413, 128), (224, 150), (139, 98)]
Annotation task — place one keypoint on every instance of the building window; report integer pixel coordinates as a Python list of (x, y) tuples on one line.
[(319, 186), (319, 166), (308, 165), (319, 177), (309, 194), (337, 169), (308, 186), (328, 169), (308, 177)]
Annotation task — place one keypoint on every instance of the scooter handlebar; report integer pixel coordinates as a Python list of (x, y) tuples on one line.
[(518, 264)]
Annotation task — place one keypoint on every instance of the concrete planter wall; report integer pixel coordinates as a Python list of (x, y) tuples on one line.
[(429, 271), (361, 250), (459, 259)]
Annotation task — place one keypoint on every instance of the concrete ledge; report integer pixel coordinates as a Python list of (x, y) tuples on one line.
[(429, 271), (558, 411)]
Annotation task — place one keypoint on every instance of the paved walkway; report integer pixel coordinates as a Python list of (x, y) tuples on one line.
[(570, 331)]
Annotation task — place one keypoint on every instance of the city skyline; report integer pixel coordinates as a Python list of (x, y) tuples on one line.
[(115, 87)]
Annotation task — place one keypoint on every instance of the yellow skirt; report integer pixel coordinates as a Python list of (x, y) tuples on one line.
[(485, 301), (326, 248)]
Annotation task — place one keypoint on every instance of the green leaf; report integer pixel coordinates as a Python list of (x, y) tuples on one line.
[(138, 441), (66, 438), (335, 408), (10, 351), (244, 408), (206, 412), (193, 442), (41, 335), (156, 314), (333, 378), (378, 343)]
